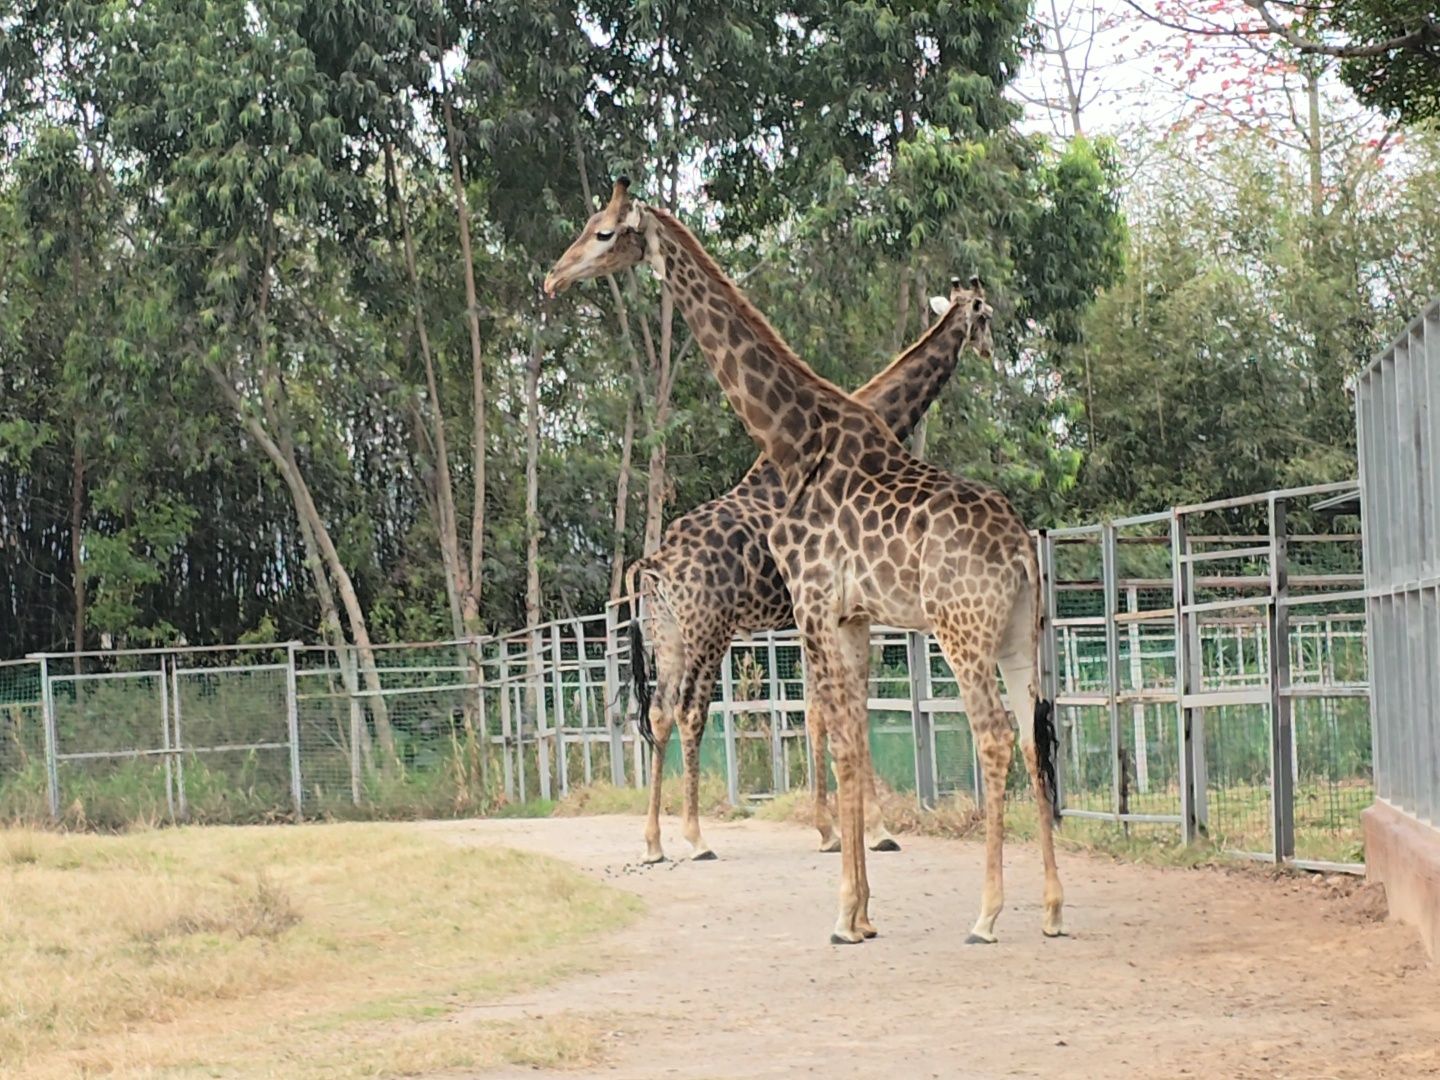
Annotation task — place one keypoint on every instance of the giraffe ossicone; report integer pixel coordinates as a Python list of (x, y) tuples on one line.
[(864, 532)]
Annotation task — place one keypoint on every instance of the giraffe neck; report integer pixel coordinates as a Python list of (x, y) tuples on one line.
[(902, 392), (783, 404)]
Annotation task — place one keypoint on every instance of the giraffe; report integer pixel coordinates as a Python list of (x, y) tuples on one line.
[(867, 533), (713, 576)]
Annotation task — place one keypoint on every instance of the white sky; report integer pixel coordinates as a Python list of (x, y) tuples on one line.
[(1142, 76)]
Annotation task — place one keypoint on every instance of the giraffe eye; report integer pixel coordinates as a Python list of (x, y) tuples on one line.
[(606, 236)]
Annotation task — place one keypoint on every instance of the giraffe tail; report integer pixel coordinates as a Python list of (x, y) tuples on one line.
[(1047, 746), (1047, 736), (639, 664)]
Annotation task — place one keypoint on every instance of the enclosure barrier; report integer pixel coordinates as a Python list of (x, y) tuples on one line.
[(1397, 407), (1208, 666)]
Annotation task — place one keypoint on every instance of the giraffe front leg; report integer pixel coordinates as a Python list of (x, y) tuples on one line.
[(824, 823), (881, 840), (692, 730), (852, 923), (662, 723)]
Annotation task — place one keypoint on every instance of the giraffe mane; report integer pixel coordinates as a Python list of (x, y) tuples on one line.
[(746, 311)]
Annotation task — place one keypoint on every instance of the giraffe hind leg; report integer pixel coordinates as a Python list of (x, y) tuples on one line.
[(820, 773), (972, 657), (661, 723), (692, 730), (1033, 717)]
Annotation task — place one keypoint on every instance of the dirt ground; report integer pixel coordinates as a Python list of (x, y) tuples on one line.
[(1167, 973)]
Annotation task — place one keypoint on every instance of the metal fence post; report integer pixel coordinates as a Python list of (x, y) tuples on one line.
[(779, 775), (562, 757), (582, 664), (1109, 574), (1190, 825), (350, 679), (921, 721), (1195, 717), (179, 746), (535, 681), (732, 755), (507, 767), (52, 765), (614, 715), (1049, 660), (292, 720), (165, 740), (1282, 735)]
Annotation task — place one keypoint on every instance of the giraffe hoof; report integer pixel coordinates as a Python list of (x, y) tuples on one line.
[(831, 847), (653, 860), (977, 939), (839, 939), (704, 856), (1055, 933), (888, 844), (870, 933)]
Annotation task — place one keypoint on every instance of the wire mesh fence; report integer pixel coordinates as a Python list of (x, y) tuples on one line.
[(1173, 704)]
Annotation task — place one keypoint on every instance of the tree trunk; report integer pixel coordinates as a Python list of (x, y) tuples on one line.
[(456, 571), (77, 536), (917, 440), (306, 510), (472, 596), (1314, 145), (902, 314), (330, 626), (655, 489), (532, 482), (622, 503)]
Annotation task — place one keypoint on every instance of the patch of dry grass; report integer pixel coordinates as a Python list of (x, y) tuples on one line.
[(603, 798), (277, 951), (956, 817)]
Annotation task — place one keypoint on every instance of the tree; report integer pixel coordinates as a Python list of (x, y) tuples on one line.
[(1390, 49)]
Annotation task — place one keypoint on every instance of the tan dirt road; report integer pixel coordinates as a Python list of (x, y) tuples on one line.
[(1168, 973)]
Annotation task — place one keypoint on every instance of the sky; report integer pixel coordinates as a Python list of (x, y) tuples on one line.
[(1144, 74)]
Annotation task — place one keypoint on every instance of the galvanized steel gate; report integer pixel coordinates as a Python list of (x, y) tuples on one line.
[(1398, 420)]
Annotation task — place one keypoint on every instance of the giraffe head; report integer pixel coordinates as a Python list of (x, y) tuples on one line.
[(611, 241), (978, 314)]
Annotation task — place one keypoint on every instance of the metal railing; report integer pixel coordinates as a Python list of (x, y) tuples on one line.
[(1397, 406), (1188, 653)]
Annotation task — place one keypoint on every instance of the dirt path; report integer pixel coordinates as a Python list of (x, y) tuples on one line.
[(1168, 973)]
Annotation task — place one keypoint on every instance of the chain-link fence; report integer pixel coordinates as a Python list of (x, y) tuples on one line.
[(1173, 705)]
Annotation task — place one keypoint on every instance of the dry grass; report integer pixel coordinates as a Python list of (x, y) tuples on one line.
[(290, 952), (602, 798), (956, 817)]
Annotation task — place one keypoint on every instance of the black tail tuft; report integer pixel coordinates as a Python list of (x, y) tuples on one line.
[(1047, 745), (640, 679)]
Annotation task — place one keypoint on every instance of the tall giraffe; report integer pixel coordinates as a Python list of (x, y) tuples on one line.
[(713, 576), (868, 532)]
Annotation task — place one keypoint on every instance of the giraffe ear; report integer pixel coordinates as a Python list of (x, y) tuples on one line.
[(939, 304)]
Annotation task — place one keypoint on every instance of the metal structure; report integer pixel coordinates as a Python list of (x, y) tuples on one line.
[(1188, 653), (1397, 405)]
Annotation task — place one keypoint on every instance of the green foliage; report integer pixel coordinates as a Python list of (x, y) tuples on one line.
[(198, 196), (1403, 81), (1218, 366)]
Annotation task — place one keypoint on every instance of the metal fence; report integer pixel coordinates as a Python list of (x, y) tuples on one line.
[(1398, 420), (1188, 652)]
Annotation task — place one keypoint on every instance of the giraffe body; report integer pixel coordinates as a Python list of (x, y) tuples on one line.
[(714, 576), (866, 532)]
